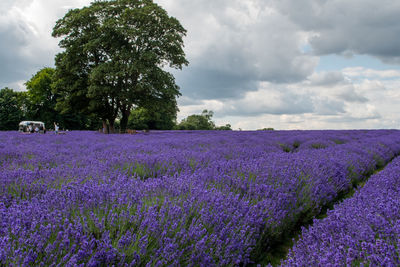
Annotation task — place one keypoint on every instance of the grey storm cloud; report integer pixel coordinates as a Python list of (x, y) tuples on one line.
[(234, 45), (15, 34), (26, 44), (349, 27), (214, 84)]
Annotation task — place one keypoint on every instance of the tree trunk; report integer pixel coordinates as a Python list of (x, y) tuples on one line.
[(111, 126), (124, 120), (105, 127)]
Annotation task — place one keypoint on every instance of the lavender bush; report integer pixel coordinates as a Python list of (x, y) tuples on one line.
[(361, 231), (171, 198)]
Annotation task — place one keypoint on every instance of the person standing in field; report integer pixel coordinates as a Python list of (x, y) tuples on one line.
[(56, 128)]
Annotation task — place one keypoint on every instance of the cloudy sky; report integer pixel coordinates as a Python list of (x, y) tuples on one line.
[(286, 64)]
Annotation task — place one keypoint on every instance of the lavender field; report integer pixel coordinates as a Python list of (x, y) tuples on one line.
[(202, 198), (362, 230)]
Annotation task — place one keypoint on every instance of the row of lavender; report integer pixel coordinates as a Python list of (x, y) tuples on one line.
[(202, 198), (362, 230)]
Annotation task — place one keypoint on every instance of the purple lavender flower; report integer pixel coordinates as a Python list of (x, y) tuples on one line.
[(182, 198)]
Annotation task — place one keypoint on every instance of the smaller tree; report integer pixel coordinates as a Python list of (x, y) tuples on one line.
[(155, 112), (139, 119), (10, 112), (226, 127), (42, 100), (42, 104), (151, 119), (198, 122)]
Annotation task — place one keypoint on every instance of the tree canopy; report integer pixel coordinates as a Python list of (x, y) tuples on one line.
[(226, 127), (11, 111), (201, 121), (198, 122), (41, 104), (42, 101), (114, 58), (161, 116)]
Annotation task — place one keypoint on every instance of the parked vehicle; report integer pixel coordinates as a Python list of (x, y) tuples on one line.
[(32, 127)]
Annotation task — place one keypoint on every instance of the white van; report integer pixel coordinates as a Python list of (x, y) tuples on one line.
[(30, 126)]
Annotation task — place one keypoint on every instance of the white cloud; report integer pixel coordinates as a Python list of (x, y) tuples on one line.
[(371, 73)]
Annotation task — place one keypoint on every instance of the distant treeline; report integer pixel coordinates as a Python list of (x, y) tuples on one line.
[(38, 103)]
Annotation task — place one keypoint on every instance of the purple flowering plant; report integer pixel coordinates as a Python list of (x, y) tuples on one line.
[(361, 231), (171, 198)]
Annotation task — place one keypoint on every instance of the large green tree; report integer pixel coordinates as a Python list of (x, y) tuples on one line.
[(114, 58), (11, 112)]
